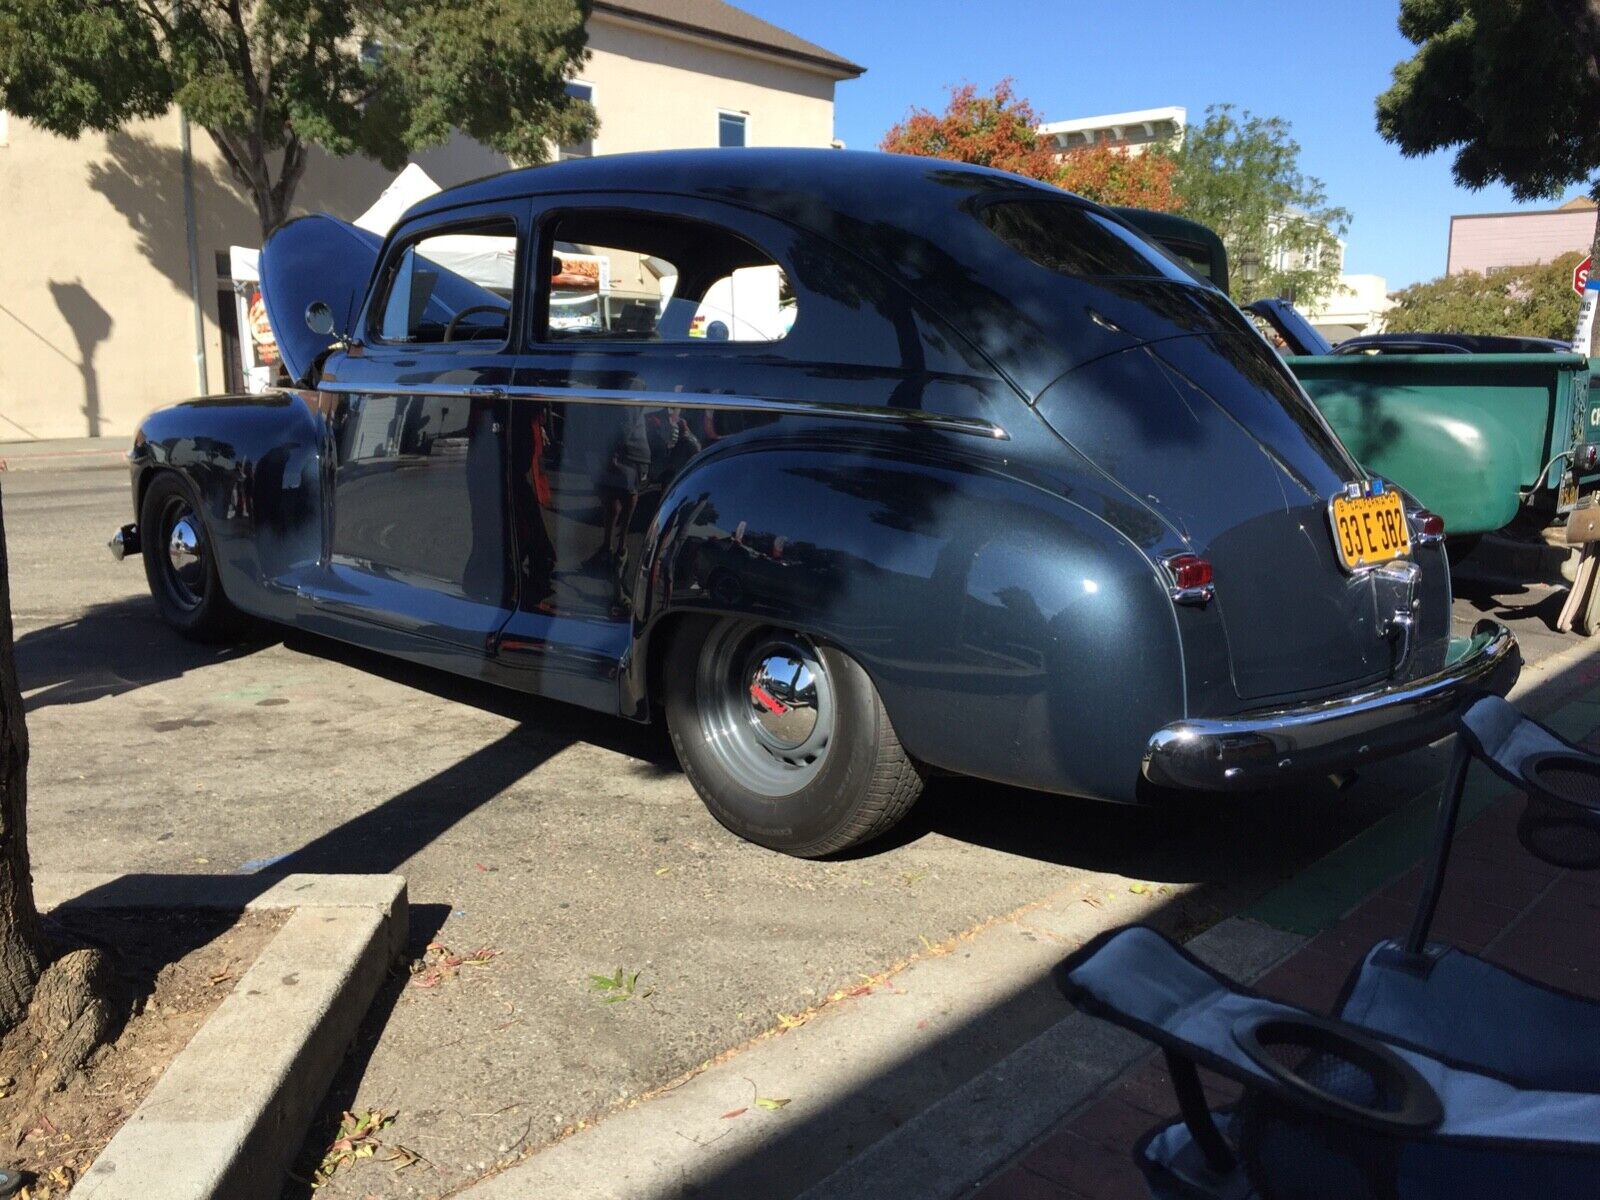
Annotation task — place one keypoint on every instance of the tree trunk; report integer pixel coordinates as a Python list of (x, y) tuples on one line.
[(248, 162), (22, 951)]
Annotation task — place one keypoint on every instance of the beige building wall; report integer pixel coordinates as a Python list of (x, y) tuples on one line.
[(1483, 242), (656, 90), (96, 318)]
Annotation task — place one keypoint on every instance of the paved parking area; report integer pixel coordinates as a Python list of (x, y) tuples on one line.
[(568, 843)]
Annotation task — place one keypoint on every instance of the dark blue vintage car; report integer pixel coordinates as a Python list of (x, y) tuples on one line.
[(860, 467)]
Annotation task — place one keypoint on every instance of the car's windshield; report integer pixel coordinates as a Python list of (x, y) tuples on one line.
[(1074, 240)]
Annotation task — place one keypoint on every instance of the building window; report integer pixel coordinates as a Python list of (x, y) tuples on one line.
[(585, 148), (730, 129)]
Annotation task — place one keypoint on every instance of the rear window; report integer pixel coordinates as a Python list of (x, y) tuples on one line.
[(1072, 240)]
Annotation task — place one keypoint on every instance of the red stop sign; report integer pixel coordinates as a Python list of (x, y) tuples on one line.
[(1580, 275)]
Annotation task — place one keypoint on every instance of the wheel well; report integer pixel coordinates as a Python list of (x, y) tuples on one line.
[(142, 485), (655, 649)]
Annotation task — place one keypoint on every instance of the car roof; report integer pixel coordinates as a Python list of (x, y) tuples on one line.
[(1467, 343), (911, 218), (840, 177)]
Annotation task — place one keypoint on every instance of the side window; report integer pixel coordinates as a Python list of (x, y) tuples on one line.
[(638, 277), (452, 286)]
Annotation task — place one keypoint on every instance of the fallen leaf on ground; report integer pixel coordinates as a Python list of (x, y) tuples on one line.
[(440, 963), (357, 1139), (734, 1112), (768, 1102)]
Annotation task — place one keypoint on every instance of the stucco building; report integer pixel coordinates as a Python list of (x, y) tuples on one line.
[(1130, 131), (97, 312), (1483, 241)]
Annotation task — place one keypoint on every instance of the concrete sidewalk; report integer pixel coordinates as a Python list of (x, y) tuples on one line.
[(65, 454), (1499, 902)]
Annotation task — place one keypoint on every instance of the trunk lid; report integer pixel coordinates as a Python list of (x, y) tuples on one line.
[(1212, 432)]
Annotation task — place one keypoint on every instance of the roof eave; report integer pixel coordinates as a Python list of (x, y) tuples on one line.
[(836, 68)]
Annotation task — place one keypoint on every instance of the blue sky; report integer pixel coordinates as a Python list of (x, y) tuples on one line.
[(1319, 66)]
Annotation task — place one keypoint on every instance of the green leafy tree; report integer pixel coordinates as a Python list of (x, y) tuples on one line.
[(1512, 86), (1527, 301), (1240, 174), (269, 79)]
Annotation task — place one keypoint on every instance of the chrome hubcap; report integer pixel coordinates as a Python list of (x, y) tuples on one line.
[(766, 707), (783, 699), (183, 545)]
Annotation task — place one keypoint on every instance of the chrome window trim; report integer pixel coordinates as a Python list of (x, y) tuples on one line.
[(972, 426)]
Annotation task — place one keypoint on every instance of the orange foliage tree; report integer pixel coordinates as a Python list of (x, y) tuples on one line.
[(1000, 129)]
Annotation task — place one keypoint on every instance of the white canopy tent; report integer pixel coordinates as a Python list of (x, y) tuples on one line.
[(487, 261)]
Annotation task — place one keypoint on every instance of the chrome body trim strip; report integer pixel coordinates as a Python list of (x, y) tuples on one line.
[(1265, 749), (972, 426)]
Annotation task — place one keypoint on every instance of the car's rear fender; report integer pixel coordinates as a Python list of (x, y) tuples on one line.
[(1014, 635), (254, 464)]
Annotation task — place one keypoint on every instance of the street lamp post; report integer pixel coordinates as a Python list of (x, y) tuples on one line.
[(1250, 268)]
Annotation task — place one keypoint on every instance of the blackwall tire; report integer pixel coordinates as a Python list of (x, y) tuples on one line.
[(785, 739), (180, 564)]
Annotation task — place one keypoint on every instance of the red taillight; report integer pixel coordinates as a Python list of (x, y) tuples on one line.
[(1429, 525), (1189, 571)]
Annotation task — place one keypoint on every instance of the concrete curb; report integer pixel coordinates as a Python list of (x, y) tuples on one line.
[(20, 456), (228, 1116)]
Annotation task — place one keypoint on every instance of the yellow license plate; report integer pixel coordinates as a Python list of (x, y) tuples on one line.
[(1369, 529), (1567, 497)]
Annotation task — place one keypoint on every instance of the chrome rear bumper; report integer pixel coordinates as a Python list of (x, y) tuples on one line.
[(1265, 749)]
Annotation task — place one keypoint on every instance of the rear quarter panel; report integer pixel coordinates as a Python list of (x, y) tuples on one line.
[(1013, 634), (254, 463)]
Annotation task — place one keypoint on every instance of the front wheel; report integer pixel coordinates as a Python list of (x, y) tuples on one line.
[(786, 740), (180, 564)]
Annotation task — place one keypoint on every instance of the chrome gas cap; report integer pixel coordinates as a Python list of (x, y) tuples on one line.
[(183, 544), (783, 699)]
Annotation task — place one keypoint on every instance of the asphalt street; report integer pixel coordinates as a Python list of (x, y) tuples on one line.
[(567, 843)]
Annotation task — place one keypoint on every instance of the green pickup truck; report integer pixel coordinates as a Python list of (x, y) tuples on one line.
[(1477, 438)]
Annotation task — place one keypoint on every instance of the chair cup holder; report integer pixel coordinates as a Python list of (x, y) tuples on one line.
[(1330, 1068), (1561, 823)]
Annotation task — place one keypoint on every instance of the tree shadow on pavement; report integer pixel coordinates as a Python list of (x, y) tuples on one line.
[(110, 649)]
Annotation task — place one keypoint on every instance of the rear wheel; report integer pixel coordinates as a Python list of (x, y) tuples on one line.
[(785, 740), (180, 564)]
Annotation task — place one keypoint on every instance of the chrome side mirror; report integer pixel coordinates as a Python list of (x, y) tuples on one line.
[(319, 318)]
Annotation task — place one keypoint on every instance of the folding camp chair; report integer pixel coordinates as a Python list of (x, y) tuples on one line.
[(1443, 1076)]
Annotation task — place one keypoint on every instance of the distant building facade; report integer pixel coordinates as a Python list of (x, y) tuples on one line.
[(1134, 131), (1483, 241), (97, 321)]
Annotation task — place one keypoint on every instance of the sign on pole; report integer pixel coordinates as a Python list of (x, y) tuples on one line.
[(1587, 286)]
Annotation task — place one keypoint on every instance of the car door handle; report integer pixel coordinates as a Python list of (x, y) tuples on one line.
[(486, 393)]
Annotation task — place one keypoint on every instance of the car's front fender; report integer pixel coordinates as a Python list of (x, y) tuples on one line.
[(254, 464), (1012, 634)]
